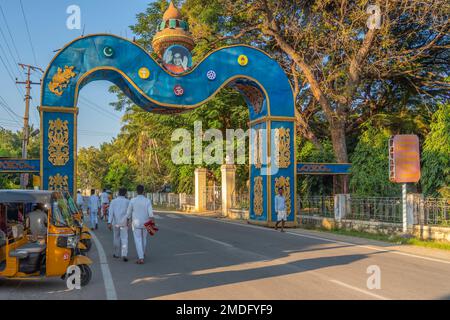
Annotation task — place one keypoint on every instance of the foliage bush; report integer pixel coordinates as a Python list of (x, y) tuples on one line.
[(435, 178), (370, 164)]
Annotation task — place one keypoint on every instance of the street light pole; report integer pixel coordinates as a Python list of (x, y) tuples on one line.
[(26, 132)]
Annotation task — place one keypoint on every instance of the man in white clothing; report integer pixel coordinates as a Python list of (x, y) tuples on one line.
[(80, 200), (140, 211), (118, 222), (93, 208), (104, 198), (280, 208)]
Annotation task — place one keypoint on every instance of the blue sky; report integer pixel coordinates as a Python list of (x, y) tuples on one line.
[(98, 122)]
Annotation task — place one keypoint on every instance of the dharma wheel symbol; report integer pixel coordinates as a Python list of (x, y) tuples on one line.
[(211, 75)]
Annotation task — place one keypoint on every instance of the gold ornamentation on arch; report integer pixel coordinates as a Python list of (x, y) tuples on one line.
[(58, 142), (61, 80), (285, 183), (258, 196), (283, 144), (58, 182), (257, 148)]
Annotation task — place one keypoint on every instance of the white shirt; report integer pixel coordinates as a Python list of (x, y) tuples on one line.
[(94, 203), (118, 211), (280, 203), (79, 199), (104, 197), (140, 211)]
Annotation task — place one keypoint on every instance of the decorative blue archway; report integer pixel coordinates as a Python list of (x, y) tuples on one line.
[(258, 77)]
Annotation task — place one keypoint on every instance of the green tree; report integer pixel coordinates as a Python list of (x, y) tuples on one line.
[(11, 147), (310, 185), (370, 164), (120, 174), (435, 178)]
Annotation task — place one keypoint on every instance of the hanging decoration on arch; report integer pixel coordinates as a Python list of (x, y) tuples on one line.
[(58, 182), (283, 145), (58, 142)]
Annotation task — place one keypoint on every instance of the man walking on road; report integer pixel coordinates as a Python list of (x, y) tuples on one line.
[(80, 201), (280, 208), (140, 211), (93, 208), (104, 197), (118, 222)]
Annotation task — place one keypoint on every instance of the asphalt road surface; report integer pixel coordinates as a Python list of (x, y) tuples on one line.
[(194, 257)]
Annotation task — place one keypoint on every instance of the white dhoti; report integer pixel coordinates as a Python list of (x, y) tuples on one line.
[(94, 218), (120, 241), (281, 215), (140, 240)]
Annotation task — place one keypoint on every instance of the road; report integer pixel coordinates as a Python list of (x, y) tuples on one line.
[(195, 257)]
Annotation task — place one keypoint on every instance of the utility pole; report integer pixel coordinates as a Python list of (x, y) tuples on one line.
[(28, 83)]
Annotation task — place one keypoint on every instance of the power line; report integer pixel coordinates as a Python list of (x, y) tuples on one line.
[(10, 75), (10, 35), (3, 101), (100, 109), (28, 31), (10, 52), (9, 114), (10, 65)]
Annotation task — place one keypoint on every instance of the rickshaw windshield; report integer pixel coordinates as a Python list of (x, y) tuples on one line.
[(61, 215)]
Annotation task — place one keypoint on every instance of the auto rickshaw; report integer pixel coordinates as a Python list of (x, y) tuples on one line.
[(82, 230), (23, 255)]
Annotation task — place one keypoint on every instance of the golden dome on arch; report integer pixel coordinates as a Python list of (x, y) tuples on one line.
[(172, 30), (172, 12)]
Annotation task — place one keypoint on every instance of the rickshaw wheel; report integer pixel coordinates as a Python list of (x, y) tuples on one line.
[(87, 243), (86, 274)]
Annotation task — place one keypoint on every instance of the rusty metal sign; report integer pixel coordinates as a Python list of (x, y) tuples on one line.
[(404, 158)]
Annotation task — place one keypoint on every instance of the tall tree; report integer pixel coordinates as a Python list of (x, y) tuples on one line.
[(340, 68)]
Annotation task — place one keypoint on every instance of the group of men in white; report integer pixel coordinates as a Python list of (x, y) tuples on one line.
[(122, 213)]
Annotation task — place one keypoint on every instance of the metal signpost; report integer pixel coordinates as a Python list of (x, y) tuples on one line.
[(404, 164)]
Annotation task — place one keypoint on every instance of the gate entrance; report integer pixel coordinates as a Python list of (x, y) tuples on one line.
[(167, 84)]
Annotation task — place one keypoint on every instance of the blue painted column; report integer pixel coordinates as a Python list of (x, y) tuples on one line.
[(58, 148), (272, 165)]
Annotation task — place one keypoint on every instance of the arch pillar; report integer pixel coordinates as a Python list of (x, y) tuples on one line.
[(58, 148), (200, 189), (228, 172)]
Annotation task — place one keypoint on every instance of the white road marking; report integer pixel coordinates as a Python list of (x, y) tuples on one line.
[(214, 240), (190, 253), (359, 290), (107, 277), (158, 216), (331, 240), (173, 216)]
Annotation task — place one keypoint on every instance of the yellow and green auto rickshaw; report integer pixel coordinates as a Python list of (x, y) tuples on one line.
[(23, 253), (82, 230)]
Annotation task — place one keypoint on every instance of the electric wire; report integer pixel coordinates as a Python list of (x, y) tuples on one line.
[(28, 32), (10, 34)]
